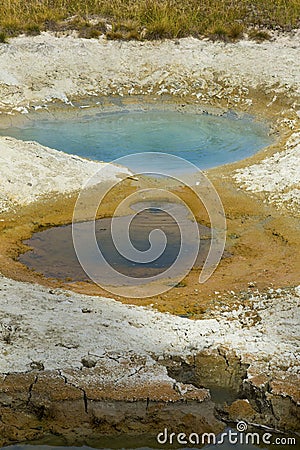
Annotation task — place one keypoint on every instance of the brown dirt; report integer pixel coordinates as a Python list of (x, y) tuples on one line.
[(76, 411)]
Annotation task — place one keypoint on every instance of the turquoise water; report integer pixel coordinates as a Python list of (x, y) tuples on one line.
[(203, 139)]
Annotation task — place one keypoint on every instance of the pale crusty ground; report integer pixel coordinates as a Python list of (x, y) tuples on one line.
[(278, 176), (29, 171), (58, 328), (38, 69)]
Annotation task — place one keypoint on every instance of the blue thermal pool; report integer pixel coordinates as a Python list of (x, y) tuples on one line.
[(203, 139)]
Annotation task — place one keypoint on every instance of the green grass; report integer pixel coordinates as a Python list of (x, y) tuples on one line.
[(259, 35), (2, 38), (150, 19)]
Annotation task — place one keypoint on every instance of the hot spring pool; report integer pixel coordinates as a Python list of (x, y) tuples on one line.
[(53, 252), (205, 140)]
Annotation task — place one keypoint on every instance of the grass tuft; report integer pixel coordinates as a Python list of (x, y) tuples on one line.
[(32, 29), (235, 31), (3, 39), (125, 31), (259, 35), (218, 33)]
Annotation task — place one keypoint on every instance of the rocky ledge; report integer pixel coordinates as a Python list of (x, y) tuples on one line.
[(65, 372)]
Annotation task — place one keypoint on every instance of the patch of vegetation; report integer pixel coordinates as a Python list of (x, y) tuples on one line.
[(3, 38), (236, 31), (10, 28), (230, 33), (125, 31), (32, 29), (217, 33), (259, 35), (225, 20), (89, 31)]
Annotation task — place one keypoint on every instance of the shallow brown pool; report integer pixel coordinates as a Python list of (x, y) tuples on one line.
[(53, 252)]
